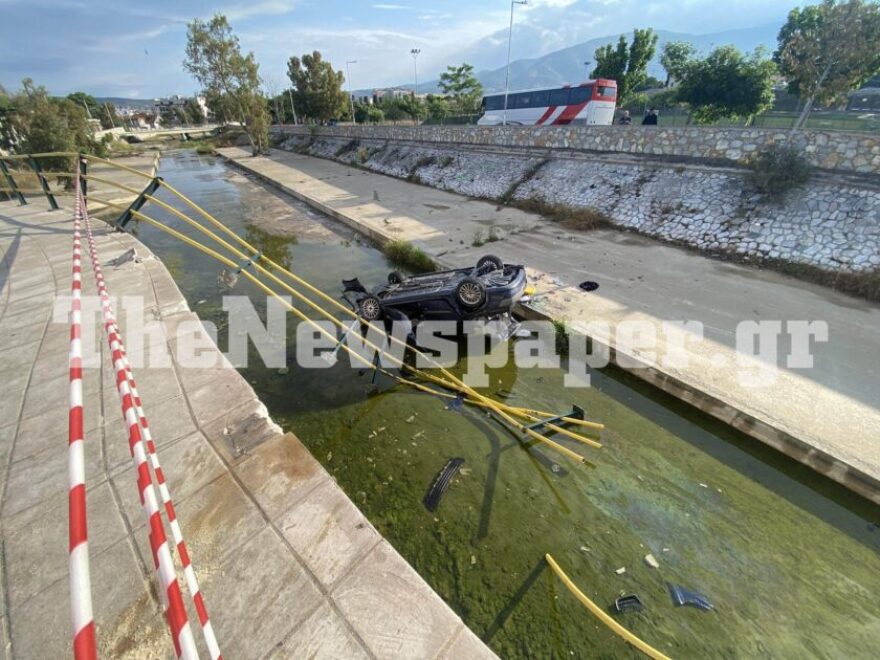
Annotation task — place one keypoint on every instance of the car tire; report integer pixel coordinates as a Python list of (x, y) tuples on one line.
[(490, 260), (369, 308), (394, 277), (470, 293)]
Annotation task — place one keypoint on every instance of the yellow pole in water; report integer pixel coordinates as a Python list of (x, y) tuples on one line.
[(600, 614)]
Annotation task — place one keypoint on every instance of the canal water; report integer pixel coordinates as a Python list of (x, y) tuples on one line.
[(789, 560)]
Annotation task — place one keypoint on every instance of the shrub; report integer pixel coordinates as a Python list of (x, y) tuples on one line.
[(572, 217), (348, 147), (778, 169), (408, 256)]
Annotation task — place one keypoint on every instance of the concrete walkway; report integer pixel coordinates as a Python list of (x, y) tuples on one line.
[(287, 564), (827, 416)]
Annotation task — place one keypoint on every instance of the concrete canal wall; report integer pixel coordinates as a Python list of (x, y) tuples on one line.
[(287, 564), (826, 224)]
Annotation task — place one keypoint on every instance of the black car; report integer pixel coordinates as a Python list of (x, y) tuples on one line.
[(491, 288)]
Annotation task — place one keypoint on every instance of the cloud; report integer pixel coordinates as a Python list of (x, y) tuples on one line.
[(391, 7)]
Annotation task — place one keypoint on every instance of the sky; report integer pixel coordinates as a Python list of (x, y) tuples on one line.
[(135, 49)]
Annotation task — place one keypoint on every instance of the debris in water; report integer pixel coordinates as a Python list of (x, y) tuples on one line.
[(456, 403), (329, 456), (702, 485), (585, 548), (651, 561), (682, 596), (441, 483), (418, 435), (410, 419), (283, 371), (473, 560), (628, 603), (227, 278), (621, 570)]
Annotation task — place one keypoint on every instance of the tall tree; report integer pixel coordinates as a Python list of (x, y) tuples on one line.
[(462, 87), (214, 58), (829, 49), (675, 58), (317, 87), (86, 101), (727, 83), (627, 63)]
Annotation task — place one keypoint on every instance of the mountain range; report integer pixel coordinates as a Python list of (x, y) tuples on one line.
[(567, 65)]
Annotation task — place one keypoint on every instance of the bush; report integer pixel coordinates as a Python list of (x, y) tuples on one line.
[(583, 219), (778, 169), (408, 256)]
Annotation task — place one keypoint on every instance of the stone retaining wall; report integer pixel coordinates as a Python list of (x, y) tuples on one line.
[(833, 227), (836, 150)]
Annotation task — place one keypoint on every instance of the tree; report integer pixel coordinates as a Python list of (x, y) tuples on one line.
[(728, 84), (828, 50), (462, 88), (675, 58), (86, 101), (626, 63), (214, 58), (33, 122), (318, 88), (193, 112), (438, 107), (413, 106)]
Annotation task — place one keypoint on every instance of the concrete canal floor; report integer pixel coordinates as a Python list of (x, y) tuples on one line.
[(827, 417), (289, 567)]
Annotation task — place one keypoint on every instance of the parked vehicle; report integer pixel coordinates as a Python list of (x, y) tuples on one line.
[(489, 289), (591, 103)]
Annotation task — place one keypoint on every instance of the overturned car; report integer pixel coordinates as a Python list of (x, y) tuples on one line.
[(489, 289)]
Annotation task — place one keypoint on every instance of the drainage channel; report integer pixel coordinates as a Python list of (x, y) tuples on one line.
[(788, 559)]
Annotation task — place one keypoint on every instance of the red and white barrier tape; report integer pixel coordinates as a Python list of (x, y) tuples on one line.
[(84, 644), (176, 533), (172, 599)]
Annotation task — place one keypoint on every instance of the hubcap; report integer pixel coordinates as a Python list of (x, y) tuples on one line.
[(370, 309), (470, 294)]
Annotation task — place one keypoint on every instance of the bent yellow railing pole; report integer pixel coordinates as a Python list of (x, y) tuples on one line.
[(600, 614)]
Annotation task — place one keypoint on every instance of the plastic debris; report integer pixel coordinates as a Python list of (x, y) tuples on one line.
[(628, 603), (621, 570), (651, 561), (410, 419), (441, 483), (588, 286), (681, 596), (456, 403)]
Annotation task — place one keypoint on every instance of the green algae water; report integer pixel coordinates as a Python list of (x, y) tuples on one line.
[(790, 560)]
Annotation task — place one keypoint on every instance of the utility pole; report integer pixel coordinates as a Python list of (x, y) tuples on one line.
[(509, 42), (350, 97), (292, 108), (415, 55), (109, 114)]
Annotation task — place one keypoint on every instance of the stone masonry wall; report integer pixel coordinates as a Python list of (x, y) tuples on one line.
[(834, 227), (851, 152)]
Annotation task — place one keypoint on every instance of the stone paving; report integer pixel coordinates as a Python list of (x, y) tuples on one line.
[(288, 565), (827, 416)]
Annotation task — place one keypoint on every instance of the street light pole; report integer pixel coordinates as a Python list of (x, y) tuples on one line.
[(509, 42), (350, 97), (415, 54), (292, 107)]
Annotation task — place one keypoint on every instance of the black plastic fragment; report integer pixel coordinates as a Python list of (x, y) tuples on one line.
[(441, 483), (588, 286), (629, 603), (682, 596)]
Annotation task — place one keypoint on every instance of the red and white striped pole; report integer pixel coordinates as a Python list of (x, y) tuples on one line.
[(84, 645), (172, 599)]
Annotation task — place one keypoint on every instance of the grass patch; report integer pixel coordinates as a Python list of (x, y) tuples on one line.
[(776, 170), (348, 147), (446, 161), (408, 256), (583, 219), (562, 339), (507, 197), (863, 285)]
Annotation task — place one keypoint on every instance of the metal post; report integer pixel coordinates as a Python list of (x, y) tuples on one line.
[(509, 42), (350, 96), (35, 166), (415, 55), (13, 189), (83, 179), (139, 201)]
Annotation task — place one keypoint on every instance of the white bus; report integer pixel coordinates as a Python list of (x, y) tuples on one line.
[(590, 103)]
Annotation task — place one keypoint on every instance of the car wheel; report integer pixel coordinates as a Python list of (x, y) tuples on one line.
[(470, 293), (395, 277), (370, 308), (490, 262)]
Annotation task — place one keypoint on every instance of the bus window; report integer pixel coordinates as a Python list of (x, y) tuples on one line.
[(541, 99), (523, 100), (494, 102), (607, 91), (559, 96), (580, 95)]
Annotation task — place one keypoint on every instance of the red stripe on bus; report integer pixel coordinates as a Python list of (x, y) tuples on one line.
[(549, 112), (570, 112)]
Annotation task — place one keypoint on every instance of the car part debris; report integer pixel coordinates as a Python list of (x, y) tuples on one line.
[(681, 596), (588, 286), (628, 603), (441, 483)]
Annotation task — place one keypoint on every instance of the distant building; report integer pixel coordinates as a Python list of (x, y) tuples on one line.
[(170, 106)]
